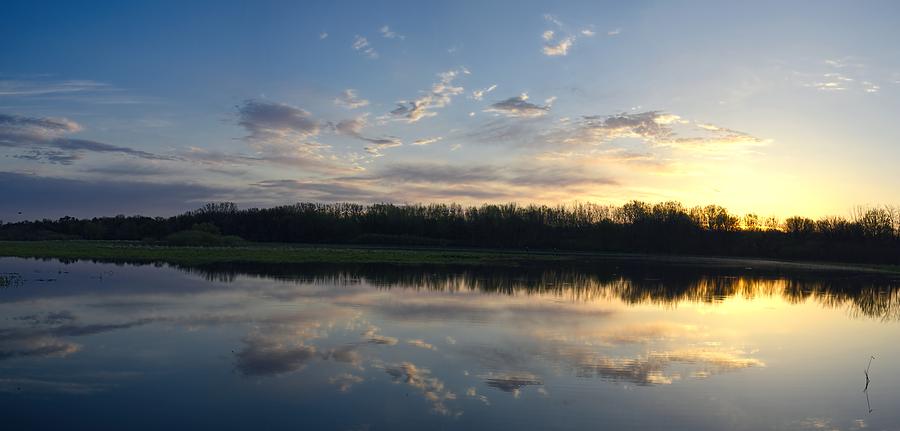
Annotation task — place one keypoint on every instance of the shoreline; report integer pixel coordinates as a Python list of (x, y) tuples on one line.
[(276, 253)]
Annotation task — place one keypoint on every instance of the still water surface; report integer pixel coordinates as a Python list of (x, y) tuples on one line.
[(102, 346)]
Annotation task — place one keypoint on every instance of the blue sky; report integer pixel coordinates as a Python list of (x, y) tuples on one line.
[(157, 107)]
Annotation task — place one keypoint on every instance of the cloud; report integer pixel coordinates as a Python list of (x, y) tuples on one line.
[(323, 35), (559, 48), (42, 337), (284, 134), (72, 90), (651, 369), (307, 157), (432, 388), (479, 94), (833, 82), (362, 45), (14, 87), (554, 43), (421, 344), (56, 197), (553, 19), (518, 106), (429, 181), (270, 121), (327, 190), (656, 128), (511, 382), (438, 96), (473, 393), (650, 125), (388, 34), (353, 127), (436, 173), (345, 381), (614, 32), (50, 156), (372, 336), (348, 99), (36, 347), (559, 42), (870, 87), (426, 141), (839, 76), (48, 318), (43, 126), (44, 139), (521, 132), (346, 354), (373, 190), (133, 169), (263, 357)]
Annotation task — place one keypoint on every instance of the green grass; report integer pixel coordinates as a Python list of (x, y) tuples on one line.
[(254, 253), (124, 251)]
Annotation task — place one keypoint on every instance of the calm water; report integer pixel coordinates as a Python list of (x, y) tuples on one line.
[(94, 346)]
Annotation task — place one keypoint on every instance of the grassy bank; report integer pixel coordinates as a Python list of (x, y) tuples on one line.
[(256, 253), (121, 251)]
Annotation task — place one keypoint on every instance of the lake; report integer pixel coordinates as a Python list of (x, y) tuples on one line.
[(624, 345)]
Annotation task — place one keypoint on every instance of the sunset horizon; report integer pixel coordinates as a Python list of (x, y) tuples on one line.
[(382, 104)]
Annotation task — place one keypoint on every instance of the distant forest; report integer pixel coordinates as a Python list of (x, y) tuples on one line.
[(870, 234)]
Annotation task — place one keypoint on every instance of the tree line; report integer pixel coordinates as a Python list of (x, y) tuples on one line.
[(869, 234)]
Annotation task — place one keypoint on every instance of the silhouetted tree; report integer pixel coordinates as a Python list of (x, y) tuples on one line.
[(872, 234)]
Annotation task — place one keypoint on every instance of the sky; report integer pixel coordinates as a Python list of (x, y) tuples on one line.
[(156, 107)]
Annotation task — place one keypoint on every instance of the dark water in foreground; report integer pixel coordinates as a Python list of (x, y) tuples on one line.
[(101, 346)]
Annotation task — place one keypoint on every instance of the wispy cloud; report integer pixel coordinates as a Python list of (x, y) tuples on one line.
[(45, 139), (432, 388), (421, 344), (411, 182), (81, 91), (438, 96), (426, 141), (558, 42), (13, 87), (354, 126), (345, 381), (479, 94), (840, 75), (350, 100), (553, 20), (387, 33), (483, 175), (656, 128), (560, 47), (362, 45)]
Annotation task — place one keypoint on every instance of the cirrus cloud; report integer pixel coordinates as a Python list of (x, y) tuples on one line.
[(438, 96)]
